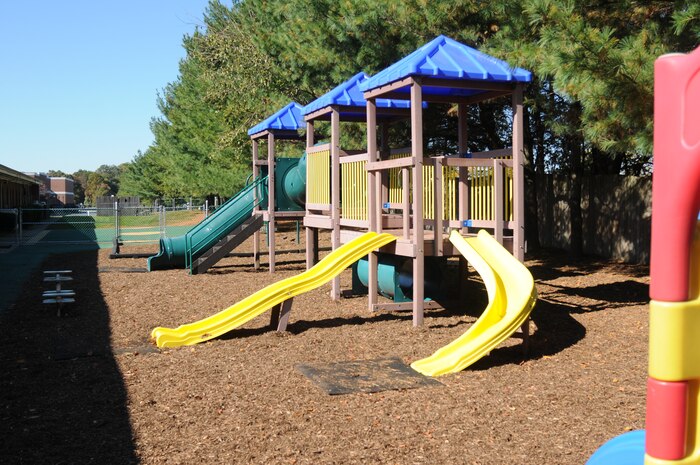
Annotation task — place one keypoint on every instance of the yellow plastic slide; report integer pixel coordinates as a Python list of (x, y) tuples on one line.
[(512, 295), (274, 294)]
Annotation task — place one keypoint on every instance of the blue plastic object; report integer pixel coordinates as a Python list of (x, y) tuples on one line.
[(448, 59), (288, 118), (626, 449), (348, 94)]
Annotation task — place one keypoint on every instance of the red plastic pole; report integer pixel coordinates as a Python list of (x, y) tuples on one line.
[(676, 187)]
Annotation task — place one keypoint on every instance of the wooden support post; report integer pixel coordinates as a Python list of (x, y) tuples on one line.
[(384, 152), (310, 134), (498, 201), (335, 193), (418, 222), (279, 315), (271, 199), (438, 213), (310, 236), (256, 234), (463, 189), (525, 328), (518, 175), (374, 215), (406, 199)]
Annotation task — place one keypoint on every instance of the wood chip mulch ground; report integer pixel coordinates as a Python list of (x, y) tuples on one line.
[(89, 387)]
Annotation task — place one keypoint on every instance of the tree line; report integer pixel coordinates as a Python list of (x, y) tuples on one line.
[(589, 109), (89, 185)]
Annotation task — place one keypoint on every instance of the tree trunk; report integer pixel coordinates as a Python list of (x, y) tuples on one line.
[(532, 233), (575, 146)]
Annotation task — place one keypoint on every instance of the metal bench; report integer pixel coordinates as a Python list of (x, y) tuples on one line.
[(58, 296)]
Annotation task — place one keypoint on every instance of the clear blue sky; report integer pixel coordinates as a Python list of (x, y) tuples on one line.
[(79, 78)]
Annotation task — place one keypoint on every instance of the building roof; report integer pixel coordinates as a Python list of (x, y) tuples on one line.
[(286, 119), (8, 174), (348, 94), (445, 58)]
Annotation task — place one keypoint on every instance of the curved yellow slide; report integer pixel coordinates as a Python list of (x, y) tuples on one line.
[(512, 295), (252, 306)]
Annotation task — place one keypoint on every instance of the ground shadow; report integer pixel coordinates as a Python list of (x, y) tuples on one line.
[(63, 396), (548, 264)]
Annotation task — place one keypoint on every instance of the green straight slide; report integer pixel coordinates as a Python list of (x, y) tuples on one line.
[(181, 251)]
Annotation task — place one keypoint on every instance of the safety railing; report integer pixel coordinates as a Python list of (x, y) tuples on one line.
[(353, 195), (457, 192), (318, 178)]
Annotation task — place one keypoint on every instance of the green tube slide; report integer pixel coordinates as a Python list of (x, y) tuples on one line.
[(182, 251), (395, 277)]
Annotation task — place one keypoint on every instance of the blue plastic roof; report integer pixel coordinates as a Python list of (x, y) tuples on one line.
[(448, 59), (287, 119), (349, 94)]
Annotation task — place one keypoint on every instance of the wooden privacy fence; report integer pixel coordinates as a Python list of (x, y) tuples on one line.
[(616, 213)]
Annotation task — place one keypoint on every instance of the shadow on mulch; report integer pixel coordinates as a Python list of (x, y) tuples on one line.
[(555, 264), (62, 393), (557, 329)]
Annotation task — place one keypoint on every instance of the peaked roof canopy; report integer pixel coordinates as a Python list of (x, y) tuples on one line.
[(352, 103), (286, 119), (443, 61)]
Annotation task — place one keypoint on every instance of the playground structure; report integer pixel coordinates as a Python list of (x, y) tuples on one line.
[(393, 193), (673, 387), (276, 191), (286, 184)]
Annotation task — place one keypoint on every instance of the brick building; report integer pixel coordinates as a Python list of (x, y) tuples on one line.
[(63, 189), (56, 191)]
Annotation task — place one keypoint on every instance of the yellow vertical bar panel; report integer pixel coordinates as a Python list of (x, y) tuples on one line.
[(361, 191), (311, 184), (357, 193), (455, 188), (425, 192), (480, 193), (510, 194), (472, 193), (428, 192), (319, 177), (328, 172), (345, 207), (351, 192), (446, 193), (348, 185), (492, 194), (482, 186)]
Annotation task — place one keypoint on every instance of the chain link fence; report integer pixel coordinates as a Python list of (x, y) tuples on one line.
[(102, 226)]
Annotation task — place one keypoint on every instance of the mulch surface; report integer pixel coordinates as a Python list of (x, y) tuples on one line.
[(88, 387)]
